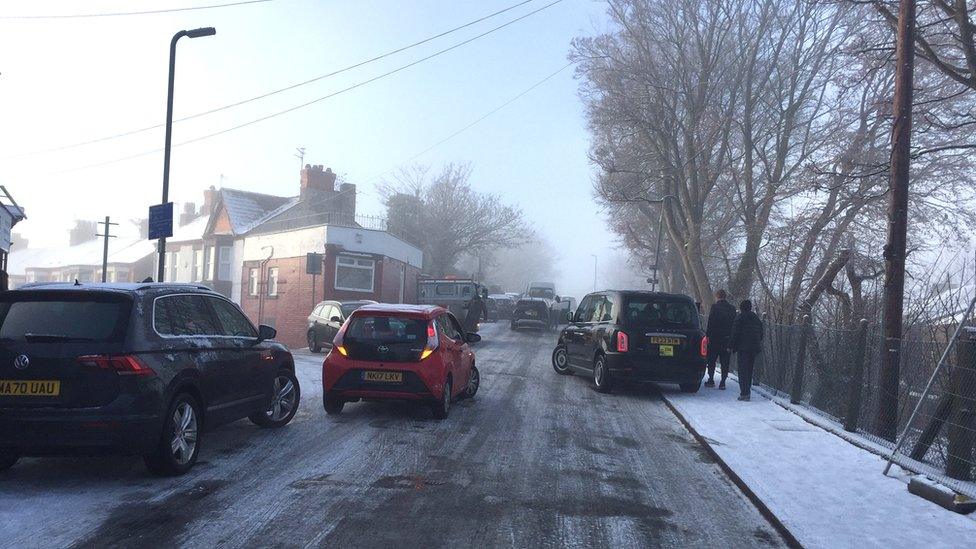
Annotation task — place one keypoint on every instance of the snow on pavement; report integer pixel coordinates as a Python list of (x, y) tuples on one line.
[(827, 492)]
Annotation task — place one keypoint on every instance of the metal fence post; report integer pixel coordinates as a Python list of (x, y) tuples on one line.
[(856, 383), (796, 392)]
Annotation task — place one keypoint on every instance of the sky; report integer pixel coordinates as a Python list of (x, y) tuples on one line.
[(70, 80)]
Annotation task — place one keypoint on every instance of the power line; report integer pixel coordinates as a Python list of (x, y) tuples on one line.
[(324, 97), (284, 89), (124, 13)]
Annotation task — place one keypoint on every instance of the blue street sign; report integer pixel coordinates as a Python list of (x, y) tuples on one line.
[(161, 221)]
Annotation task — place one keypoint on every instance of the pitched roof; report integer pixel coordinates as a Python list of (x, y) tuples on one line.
[(247, 210), (120, 250)]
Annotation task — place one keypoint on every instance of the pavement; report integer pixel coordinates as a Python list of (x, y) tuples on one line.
[(825, 490), (535, 460)]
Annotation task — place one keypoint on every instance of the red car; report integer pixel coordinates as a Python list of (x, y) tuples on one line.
[(400, 352)]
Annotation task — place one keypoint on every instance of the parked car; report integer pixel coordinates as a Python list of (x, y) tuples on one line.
[(639, 336), (531, 312), (503, 306), (453, 294), (133, 369), (400, 352), (326, 319)]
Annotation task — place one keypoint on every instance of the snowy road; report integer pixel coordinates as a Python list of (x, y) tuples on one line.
[(534, 460)]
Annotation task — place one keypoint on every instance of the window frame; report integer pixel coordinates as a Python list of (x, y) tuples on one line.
[(355, 265), (272, 277), (224, 254), (253, 281)]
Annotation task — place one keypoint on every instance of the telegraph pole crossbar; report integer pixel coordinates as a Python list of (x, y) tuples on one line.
[(106, 234)]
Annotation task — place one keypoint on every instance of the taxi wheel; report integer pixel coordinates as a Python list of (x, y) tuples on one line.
[(601, 374), (560, 361), (443, 408), (7, 460), (333, 405), (690, 387)]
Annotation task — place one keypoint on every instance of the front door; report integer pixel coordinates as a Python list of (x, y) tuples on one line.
[(452, 342), (575, 334)]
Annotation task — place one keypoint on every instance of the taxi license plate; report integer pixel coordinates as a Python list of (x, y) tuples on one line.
[(666, 350), (383, 377), (658, 340), (33, 387)]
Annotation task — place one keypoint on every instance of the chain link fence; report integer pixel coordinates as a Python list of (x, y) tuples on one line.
[(836, 374)]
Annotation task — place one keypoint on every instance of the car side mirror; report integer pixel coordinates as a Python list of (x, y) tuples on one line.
[(266, 332), (335, 319), (472, 337)]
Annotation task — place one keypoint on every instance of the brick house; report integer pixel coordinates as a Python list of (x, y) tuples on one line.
[(359, 259)]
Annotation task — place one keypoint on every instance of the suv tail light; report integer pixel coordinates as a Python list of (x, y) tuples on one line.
[(622, 342), (337, 340), (123, 365), (704, 347), (433, 341)]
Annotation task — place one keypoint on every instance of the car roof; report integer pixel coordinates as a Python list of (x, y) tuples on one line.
[(426, 311), (664, 295), (112, 286)]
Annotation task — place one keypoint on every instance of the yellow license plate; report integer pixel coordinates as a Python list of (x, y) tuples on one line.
[(383, 377), (666, 350), (31, 387), (657, 340)]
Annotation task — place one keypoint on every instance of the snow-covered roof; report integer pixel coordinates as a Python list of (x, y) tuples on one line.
[(247, 210), (120, 250), (191, 231)]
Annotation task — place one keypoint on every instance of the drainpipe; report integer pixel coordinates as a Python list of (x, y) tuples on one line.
[(262, 289)]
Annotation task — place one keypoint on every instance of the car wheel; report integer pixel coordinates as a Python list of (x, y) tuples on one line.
[(313, 342), (443, 408), (601, 374), (284, 403), (473, 383), (179, 444), (560, 361), (690, 387), (7, 459), (333, 404)]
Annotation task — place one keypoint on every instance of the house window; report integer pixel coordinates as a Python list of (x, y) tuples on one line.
[(197, 265), (273, 281), (252, 282), (173, 264), (354, 274), (208, 262), (223, 271)]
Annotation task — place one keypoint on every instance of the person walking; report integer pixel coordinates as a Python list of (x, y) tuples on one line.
[(719, 332), (476, 311), (746, 343)]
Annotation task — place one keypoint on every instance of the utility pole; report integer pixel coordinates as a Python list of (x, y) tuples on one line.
[(300, 155), (886, 419), (108, 227), (594, 271)]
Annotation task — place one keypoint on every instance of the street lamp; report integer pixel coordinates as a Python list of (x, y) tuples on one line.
[(195, 33), (594, 271)]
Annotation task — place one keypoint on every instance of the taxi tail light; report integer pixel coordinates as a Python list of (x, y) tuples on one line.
[(337, 340), (704, 347), (433, 341), (123, 365), (623, 342)]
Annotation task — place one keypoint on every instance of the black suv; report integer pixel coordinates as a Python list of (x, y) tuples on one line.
[(634, 336), (326, 319), (133, 369)]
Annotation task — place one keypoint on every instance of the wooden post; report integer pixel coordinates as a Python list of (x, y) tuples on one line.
[(856, 383), (796, 392), (962, 437)]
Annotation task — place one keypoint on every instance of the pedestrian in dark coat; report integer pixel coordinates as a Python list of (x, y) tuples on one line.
[(476, 311), (719, 332), (746, 342)]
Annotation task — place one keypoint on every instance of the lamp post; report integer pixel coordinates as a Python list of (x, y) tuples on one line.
[(195, 33), (594, 271)]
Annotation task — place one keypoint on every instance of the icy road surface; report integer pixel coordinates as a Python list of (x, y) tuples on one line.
[(535, 460)]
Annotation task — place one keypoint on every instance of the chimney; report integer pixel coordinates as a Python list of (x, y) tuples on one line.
[(189, 213), (209, 200), (82, 232), (314, 180), (347, 200)]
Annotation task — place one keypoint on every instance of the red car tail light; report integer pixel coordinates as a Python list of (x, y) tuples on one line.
[(123, 365), (704, 347), (622, 342), (337, 340), (433, 341)]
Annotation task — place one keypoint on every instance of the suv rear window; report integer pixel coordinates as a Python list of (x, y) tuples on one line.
[(651, 311), (56, 318), (386, 329)]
